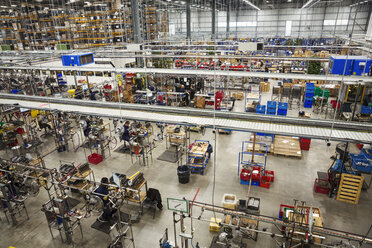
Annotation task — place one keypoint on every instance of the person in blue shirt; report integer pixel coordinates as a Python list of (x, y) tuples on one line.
[(126, 136), (93, 96), (108, 211), (102, 190)]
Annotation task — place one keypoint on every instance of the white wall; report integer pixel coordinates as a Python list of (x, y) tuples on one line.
[(306, 23)]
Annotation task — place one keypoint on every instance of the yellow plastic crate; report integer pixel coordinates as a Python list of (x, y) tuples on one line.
[(214, 226), (71, 92), (34, 113)]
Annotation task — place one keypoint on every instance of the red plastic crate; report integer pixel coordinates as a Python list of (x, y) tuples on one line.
[(281, 208), (245, 175), (95, 158), (305, 140), (265, 182), (305, 146), (360, 146), (320, 189), (270, 175), (256, 175)]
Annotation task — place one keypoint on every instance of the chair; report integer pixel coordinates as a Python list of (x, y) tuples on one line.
[(153, 200), (148, 203)]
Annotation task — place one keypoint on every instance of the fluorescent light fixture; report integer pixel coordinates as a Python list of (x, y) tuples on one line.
[(251, 4), (307, 4)]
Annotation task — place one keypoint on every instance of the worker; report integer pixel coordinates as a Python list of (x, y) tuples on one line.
[(108, 210), (102, 190), (93, 95), (182, 89), (126, 135)]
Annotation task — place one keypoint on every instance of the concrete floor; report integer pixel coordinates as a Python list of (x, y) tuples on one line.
[(294, 179)]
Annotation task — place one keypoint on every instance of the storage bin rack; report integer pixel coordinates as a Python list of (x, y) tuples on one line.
[(252, 96), (271, 108), (282, 108), (245, 157), (309, 94), (197, 161)]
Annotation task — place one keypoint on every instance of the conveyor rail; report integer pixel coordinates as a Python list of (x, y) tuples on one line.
[(342, 131), (276, 221), (200, 72)]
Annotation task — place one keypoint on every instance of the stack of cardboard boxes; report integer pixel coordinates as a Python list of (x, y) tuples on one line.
[(264, 86)]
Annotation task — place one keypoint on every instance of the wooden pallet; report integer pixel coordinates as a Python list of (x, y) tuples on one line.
[(349, 188), (287, 146)]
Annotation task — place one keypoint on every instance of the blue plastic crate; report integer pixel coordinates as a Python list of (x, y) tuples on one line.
[(282, 105), (282, 112), (366, 110), (256, 183), (361, 163), (261, 109), (309, 94), (271, 112), (15, 91), (308, 99), (244, 182), (308, 104), (271, 105), (367, 153)]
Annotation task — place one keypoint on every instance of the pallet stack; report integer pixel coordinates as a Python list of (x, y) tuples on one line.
[(287, 146), (350, 188)]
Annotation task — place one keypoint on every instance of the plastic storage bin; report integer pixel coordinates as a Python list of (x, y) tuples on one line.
[(269, 174), (261, 109), (271, 108), (361, 163), (214, 225), (321, 186), (305, 144), (95, 158), (229, 201), (245, 175), (282, 108), (265, 182), (367, 153)]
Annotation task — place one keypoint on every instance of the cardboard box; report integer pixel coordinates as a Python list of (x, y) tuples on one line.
[(200, 102), (238, 95), (264, 86)]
